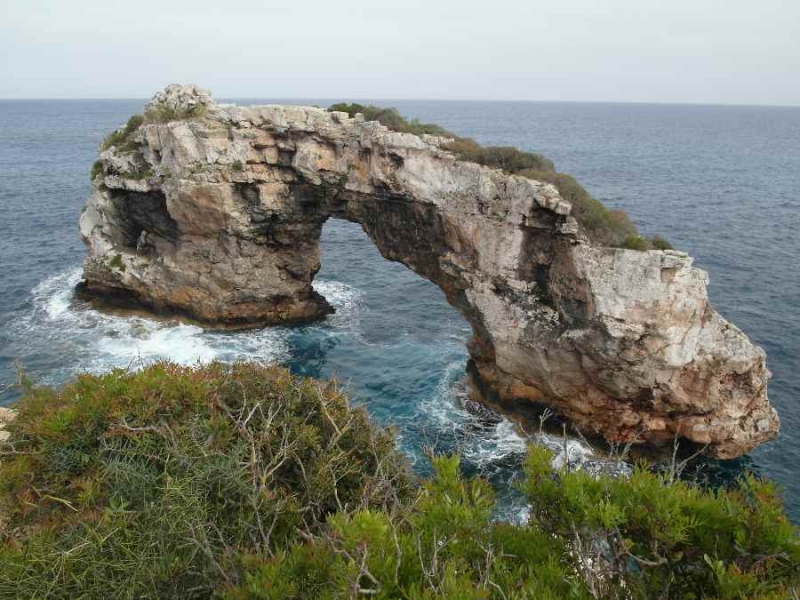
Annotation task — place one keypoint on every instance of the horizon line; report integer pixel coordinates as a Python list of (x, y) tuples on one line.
[(398, 99)]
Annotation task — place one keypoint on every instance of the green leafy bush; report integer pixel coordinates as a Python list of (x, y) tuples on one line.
[(116, 262), (164, 114), (243, 481), (659, 243), (97, 169), (238, 166), (156, 483), (639, 538), (652, 536), (443, 545), (121, 137), (636, 242)]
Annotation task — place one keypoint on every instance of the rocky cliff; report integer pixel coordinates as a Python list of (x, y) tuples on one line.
[(215, 211)]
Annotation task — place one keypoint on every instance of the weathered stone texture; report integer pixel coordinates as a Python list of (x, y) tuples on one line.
[(219, 216)]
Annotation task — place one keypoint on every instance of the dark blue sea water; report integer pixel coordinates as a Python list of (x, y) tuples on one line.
[(722, 183)]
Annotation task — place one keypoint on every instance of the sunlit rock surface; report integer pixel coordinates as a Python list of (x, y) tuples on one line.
[(214, 211)]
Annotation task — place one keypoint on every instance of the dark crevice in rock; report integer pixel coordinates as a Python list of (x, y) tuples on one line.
[(142, 215)]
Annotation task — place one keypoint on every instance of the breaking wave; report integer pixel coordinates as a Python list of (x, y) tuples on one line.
[(94, 341)]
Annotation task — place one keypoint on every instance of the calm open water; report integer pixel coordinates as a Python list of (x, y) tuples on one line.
[(722, 183)]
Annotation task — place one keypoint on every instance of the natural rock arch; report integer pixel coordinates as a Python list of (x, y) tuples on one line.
[(218, 215)]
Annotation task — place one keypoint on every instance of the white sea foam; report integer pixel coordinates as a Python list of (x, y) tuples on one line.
[(487, 445), (345, 298), (90, 340), (479, 443)]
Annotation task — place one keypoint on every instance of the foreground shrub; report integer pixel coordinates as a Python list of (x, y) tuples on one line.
[(639, 538), (444, 545), (608, 227), (245, 482), (154, 484), (652, 536)]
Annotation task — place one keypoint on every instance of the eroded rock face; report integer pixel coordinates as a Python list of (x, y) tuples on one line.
[(218, 217)]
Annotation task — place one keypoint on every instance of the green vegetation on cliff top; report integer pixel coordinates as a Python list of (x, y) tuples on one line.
[(121, 137), (242, 481), (608, 227)]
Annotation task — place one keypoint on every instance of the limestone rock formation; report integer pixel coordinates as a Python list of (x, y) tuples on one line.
[(215, 211)]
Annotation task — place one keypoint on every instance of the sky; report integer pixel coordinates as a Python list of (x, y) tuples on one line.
[(693, 51)]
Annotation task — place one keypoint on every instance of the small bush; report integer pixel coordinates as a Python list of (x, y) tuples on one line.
[(138, 174), (164, 114), (116, 262), (636, 242), (97, 169), (609, 227), (506, 158), (659, 243), (121, 137), (238, 166)]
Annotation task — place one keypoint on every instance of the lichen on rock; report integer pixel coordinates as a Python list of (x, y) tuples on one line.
[(225, 229)]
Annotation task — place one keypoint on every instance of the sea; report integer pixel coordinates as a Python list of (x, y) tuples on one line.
[(720, 182)]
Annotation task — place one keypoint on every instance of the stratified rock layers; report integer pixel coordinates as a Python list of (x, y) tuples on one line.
[(218, 216)]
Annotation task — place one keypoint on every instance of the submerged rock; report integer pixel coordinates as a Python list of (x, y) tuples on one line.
[(484, 415), (215, 211)]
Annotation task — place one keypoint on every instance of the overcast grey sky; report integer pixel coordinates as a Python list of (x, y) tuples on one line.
[(710, 51)]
